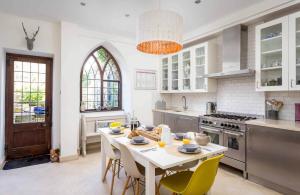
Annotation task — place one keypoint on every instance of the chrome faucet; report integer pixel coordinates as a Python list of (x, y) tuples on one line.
[(185, 106)]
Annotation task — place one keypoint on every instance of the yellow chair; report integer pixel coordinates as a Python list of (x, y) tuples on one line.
[(194, 183), (115, 124)]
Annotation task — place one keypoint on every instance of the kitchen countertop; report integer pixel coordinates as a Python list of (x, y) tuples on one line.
[(184, 113), (278, 124)]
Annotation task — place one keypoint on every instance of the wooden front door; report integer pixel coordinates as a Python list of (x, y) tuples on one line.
[(28, 105)]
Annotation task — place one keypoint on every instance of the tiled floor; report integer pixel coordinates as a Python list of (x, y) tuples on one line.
[(82, 177)]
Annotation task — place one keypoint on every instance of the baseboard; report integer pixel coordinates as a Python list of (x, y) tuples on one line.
[(68, 158)]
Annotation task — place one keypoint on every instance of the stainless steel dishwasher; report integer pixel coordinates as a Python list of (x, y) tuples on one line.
[(273, 158)]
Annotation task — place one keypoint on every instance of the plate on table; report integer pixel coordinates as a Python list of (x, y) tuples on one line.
[(182, 149), (139, 143), (116, 133)]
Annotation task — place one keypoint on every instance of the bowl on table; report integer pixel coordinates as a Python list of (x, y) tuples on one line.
[(116, 130), (149, 128), (138, 139), (190, 147), (179, 136)]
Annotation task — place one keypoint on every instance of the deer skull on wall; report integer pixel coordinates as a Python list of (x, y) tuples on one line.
[(30, 40)]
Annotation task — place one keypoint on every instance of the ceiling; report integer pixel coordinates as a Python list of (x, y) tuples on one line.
[(108, 16)]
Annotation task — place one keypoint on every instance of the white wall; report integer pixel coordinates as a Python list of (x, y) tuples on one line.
[(76, 43), (47, 44)]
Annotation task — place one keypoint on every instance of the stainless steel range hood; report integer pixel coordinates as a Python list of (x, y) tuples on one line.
[(235, 49)]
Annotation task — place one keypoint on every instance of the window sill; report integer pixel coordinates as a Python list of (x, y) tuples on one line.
[(103, 113), (99, 111)]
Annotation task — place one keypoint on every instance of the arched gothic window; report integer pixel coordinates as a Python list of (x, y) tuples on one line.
[(101, 82)]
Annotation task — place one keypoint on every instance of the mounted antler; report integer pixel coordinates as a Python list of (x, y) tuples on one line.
[(30, 40), (25, 31), (34, 34)]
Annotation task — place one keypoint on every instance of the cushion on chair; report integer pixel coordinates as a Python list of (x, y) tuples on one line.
[(177, 182)]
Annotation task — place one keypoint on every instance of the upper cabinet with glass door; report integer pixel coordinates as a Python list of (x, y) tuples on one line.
[(165, 74), (175, 72), (204, 62), (272, 55), (186, 70), (294, 52)]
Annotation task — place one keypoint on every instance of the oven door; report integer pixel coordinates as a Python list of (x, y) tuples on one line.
[(216, 135), (235, 142)]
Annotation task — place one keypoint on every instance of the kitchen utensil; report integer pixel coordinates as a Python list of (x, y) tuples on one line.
[(138, 139), (166, 134), (183, 150), (202, 139), (210, 107), (179, 136)]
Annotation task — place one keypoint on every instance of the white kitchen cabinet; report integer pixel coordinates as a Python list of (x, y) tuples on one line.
[(165, 74), (294, 51), (272, 60), (186, 69), (204, 62)]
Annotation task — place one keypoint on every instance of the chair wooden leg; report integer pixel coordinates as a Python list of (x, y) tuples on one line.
[(119, 166), (107, 168), (126, 185), (137, 186), (113, 176)]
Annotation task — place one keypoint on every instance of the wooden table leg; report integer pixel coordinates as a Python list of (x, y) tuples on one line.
[(103, 161), (150, 179)]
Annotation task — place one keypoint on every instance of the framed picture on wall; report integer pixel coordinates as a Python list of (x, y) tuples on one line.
[(145, 79)]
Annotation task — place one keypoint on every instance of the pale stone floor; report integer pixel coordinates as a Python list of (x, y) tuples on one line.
[(82, 177)]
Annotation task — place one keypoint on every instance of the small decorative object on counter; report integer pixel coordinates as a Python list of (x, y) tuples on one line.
[(272, 109)]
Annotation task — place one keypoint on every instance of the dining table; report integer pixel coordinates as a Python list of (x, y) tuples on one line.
[(151, 156)]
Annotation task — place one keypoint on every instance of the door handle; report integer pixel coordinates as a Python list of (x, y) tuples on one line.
[(233, 134)]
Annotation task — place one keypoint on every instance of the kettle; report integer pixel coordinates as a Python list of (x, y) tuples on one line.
[(211, 107)]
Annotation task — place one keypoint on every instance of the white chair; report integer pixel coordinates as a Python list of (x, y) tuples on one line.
[(114, 159), (134, 170)]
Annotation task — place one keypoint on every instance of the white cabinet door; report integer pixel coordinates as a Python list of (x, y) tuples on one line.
[(165, 74), (200, 67), (294, 46), (175, 72), (186, 69), (272, 55)]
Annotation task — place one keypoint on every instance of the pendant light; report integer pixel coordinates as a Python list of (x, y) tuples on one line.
[(159, 32)]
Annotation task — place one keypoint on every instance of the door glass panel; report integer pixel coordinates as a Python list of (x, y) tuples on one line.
[(186, 70), (29, 92), (271, 55), (214, 137), (165, 75), (233, 143), (175, 72), (298, 51)]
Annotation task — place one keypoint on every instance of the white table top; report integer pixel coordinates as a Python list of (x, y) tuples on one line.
[(167, 156)]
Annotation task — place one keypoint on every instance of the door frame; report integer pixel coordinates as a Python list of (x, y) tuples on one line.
[(8, 86)]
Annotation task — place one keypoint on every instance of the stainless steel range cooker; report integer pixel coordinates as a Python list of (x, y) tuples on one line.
[(228, 130)]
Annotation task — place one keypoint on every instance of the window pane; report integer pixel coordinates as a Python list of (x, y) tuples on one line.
[(29, 94)]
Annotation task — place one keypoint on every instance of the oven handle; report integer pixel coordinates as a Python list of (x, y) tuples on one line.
[(234, 134), (211, 130)]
